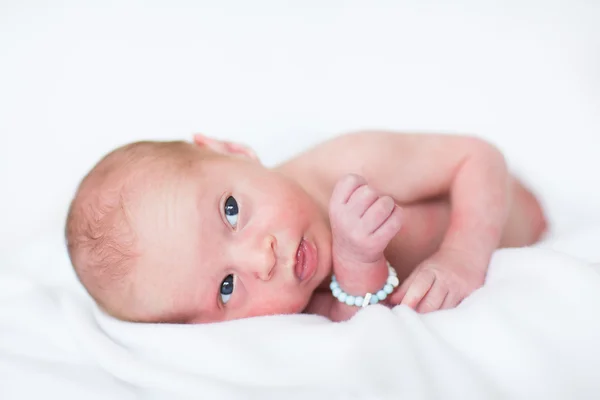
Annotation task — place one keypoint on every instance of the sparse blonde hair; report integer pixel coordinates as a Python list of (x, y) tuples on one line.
[(100, 240)]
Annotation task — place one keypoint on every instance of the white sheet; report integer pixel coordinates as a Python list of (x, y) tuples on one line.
[(79, 78), (531, 332)]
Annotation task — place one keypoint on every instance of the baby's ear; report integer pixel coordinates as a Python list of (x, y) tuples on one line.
[(224, 147)]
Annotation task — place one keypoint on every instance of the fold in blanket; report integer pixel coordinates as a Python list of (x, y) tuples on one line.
[(531, 332)]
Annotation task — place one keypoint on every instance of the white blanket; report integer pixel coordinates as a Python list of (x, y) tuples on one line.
[(79, 78), (532, 331)]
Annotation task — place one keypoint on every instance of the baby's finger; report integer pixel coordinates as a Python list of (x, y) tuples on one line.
[(377, 214), (390, 227), (419, 288), (398, 295), (362, 200), (450, 301), (345, 187), (434, 299)]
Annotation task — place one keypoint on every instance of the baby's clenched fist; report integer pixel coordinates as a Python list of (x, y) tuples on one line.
[(362, 221)]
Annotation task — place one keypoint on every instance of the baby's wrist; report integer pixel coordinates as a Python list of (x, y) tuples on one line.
[(359, 277), (355, 255), (355, 263), (368, 297)]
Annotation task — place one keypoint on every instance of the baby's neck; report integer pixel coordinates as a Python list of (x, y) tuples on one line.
[(316, 189)]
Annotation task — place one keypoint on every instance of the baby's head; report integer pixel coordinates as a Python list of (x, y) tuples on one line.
[(195, 232)]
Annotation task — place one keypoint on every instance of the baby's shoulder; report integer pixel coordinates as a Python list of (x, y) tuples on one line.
[(318, 168), (340, 155)]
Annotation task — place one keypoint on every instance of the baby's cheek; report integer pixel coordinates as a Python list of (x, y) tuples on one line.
[(299, 303), (281, 302)]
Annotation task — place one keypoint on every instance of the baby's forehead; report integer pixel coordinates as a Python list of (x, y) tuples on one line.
[(169, 280), (144, 187)]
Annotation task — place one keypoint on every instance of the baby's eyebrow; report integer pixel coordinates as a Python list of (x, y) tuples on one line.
[(207, 308), (176, 317), (205, 316)]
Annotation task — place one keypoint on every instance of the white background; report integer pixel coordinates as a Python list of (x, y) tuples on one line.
[(78, 78)]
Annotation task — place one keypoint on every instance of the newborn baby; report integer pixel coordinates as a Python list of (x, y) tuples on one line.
[(202, 232)]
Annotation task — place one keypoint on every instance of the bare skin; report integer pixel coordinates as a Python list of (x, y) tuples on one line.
[(440, 253), (221, 239)]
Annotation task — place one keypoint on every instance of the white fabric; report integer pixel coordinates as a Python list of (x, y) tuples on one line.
[(79, 78), (532, 331)]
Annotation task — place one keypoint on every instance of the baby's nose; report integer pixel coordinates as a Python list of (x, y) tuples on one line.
[(263, 258)]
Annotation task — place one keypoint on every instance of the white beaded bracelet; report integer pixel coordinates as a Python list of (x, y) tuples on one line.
[(369, 298)]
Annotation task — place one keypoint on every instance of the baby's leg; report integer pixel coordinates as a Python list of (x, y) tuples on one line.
[(526, 220), (425, 224)]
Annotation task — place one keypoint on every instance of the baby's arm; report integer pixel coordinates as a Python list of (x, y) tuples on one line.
[(362, 222), (414, 168)]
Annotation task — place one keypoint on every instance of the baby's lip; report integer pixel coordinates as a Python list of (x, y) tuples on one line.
[(306, 260)]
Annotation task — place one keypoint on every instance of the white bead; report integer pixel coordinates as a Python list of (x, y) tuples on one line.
[(343, 297)]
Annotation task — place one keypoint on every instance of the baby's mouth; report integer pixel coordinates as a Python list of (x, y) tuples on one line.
[(306, 260), (300, 260)]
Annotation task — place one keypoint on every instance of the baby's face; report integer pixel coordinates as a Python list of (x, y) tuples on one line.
[(230, 239)]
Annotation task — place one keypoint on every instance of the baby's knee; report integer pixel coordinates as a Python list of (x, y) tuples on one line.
[(527, 222)]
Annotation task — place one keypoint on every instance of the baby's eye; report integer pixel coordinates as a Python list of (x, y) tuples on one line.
[(226, 288), (231, 211)]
